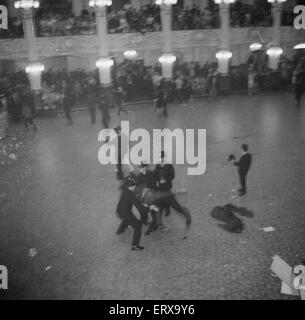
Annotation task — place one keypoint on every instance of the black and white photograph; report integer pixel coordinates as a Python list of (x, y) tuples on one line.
[(152, 150)]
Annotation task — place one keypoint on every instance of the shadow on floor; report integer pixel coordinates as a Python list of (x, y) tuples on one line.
[(227, 214)]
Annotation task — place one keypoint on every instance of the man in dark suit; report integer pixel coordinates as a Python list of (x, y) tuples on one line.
[(243, 165), (165, 174), (127, 201)]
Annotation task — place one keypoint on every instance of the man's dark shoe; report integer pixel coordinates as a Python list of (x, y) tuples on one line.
[(137, 248)]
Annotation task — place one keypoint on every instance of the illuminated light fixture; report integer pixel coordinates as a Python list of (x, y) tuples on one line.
[(165, 2), (26, 4), (34, 68), (275, 51), (299, 46), (255, 46), (224, 55), (100, 3), (167, 58), (276, 1), (130, 54), (104, 63), (224, 1)]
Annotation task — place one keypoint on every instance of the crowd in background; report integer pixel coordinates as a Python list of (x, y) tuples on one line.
[(138, 82), (193, 18), (129, 19), (51, 23), (132, 81), (257, 14), (58, 20)]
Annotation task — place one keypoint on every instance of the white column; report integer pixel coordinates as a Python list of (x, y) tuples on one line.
[(167, 59), (224, 11), (77, 6), (166, 19), (30, 34), (277, 15), (104, 62), (102, 30), (224, 55), (275, 52), (34, 69)]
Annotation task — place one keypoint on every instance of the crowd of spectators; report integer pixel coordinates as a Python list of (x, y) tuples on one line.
[(257, 14), (185, 18), (129, 19), (138, 82), (58, 20)]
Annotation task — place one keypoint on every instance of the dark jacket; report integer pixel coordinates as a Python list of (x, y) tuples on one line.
[(161, 101), (244, 164), (150, 179), (28, 106), (166, 173), (127, 200)]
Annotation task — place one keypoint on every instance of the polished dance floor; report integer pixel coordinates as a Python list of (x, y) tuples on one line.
[(67, 212)]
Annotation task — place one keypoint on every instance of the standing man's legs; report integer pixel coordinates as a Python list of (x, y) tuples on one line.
[(137, 226), (105, 119), (92, 114), (68, 115), (132, 221), (242, 178)]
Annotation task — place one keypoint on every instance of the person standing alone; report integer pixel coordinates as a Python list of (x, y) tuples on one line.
[(243, 165)]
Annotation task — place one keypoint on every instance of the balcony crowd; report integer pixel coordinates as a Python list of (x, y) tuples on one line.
[(60, 21)]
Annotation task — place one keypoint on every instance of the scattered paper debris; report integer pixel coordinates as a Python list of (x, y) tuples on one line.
[(268, 229), (287, 290), (32, 252), (284, 271)]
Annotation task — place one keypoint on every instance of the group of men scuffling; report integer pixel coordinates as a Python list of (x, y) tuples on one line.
[(157, 182), (148, 188)]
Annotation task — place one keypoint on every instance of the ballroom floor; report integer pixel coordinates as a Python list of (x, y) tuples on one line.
[(67, 210)]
